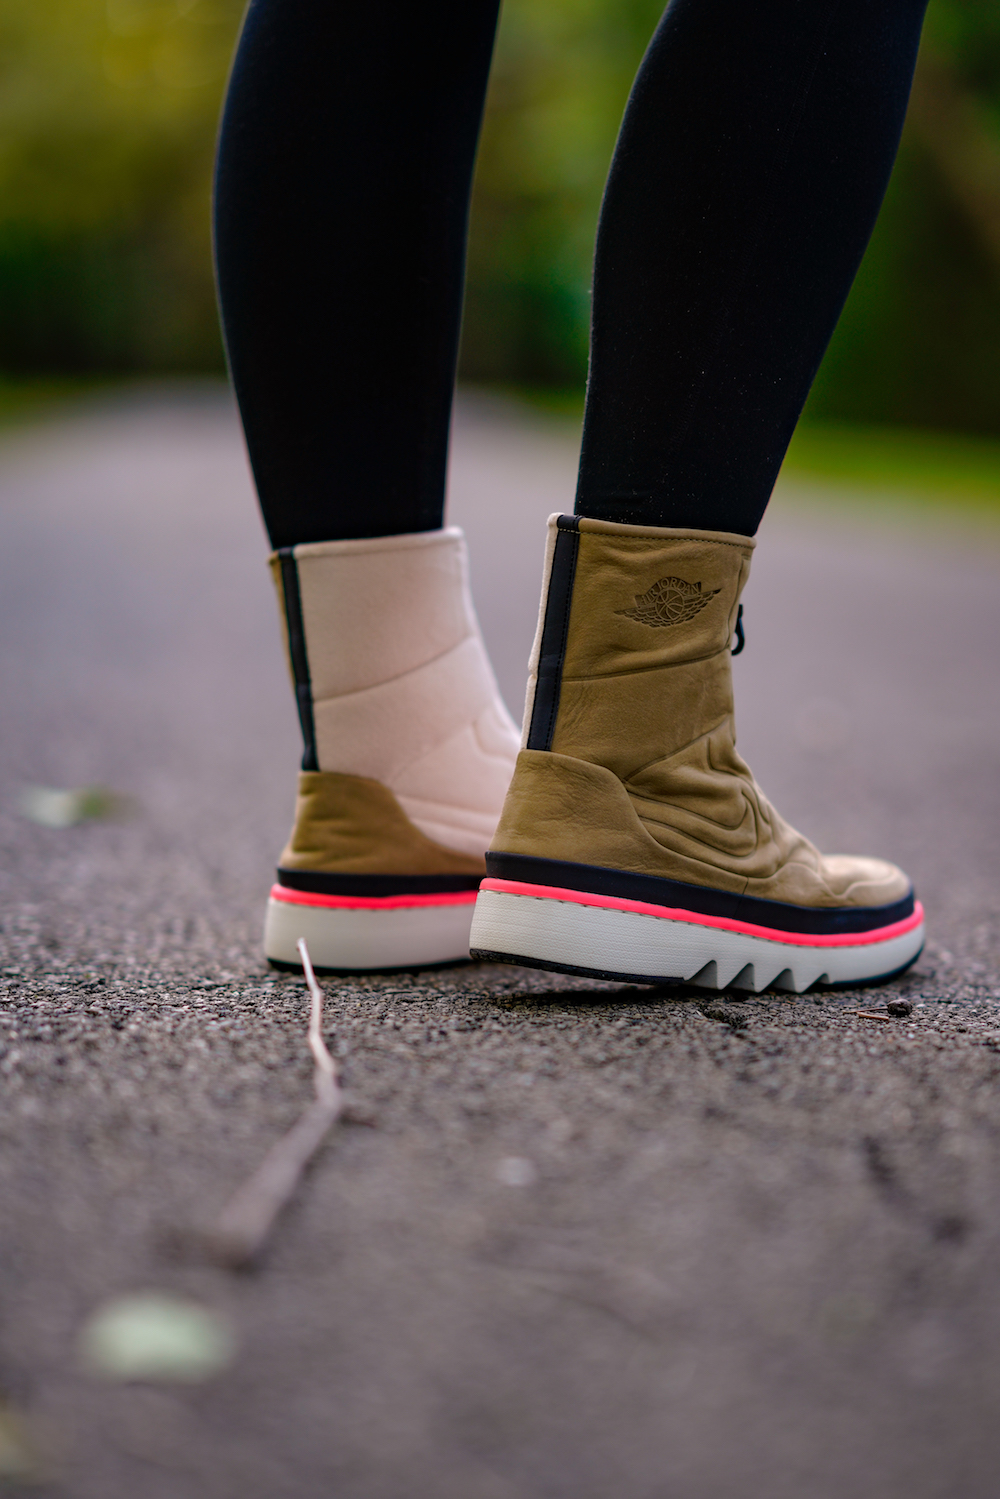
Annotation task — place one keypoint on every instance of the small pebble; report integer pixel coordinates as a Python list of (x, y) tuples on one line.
[(515, 1171), (899, 1007), (728, 1015)]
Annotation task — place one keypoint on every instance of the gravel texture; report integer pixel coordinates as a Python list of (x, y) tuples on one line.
[(576, 1240)]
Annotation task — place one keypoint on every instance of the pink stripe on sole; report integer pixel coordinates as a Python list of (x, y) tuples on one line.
[(695, 918), (371, 902)]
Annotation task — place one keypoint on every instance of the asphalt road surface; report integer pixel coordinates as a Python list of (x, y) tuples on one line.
[(580, 1241)]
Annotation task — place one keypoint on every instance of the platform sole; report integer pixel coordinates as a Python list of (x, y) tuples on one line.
[(579, 936), (368, 937)]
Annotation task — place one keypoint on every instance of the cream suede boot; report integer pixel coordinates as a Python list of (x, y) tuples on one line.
[(634, 843), (408, 752)]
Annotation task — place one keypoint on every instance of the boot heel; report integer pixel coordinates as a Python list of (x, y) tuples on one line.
[(347, 935)]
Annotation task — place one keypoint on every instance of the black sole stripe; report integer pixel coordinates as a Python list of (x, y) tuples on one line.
[(283, 967), (297, 651), (554, 632), (591, 879), (373, 885), (613, 975)]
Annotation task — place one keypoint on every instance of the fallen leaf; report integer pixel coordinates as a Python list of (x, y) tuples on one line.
[(53, 808), (155, 1335)]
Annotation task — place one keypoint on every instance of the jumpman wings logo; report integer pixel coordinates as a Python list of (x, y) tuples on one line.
[(670, 601)]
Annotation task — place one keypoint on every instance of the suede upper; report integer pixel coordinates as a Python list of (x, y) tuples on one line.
[(350, 825)]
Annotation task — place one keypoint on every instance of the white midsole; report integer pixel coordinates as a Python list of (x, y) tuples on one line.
[(604, 939), (364, 939)]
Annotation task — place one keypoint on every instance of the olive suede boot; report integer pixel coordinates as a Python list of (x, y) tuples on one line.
[(408, 752), (634, 843)]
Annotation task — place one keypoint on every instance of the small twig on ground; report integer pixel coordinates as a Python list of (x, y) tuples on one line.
[(873, 1014), (248, 1217)]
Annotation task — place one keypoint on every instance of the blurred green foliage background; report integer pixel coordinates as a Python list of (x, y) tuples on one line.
[(108, 112)]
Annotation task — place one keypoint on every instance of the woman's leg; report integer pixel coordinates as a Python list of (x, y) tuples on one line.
[(344, 171), (345, 165), (751, 164)]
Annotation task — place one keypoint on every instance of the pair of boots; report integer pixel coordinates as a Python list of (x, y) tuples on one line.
[(633, 842)]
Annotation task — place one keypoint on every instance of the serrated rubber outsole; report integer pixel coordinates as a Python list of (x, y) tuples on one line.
[(627, 946)]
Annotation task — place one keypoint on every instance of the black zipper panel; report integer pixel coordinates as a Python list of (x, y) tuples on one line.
[(297, 651), (555, 630)]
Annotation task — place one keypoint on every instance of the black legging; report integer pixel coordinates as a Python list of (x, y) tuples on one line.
[(752, 160)]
